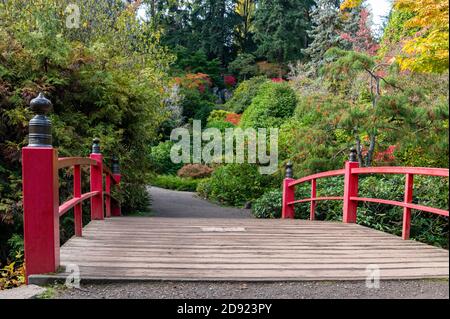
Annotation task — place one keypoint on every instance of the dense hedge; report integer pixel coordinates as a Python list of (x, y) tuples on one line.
[(160, 161), (270, 107), (269, 205), (235, 184), (175, 182), (197, 105), (244, 94)]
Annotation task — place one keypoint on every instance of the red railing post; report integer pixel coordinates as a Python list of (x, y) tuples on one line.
[(97, 211), (40, 194), (288, 194), (78, 216), (312, 212), (116, 210), (108, 198), (350, 207), (409, 182)]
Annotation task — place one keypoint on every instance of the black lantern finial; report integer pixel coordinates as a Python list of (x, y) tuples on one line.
[(352, 157), (289, 172), (96, 146), (40, 127), (115, 167)]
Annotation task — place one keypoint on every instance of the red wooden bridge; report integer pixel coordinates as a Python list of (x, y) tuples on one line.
[(115, 247)]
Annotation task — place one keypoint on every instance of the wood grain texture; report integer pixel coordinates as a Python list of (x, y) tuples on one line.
[(142, 248)]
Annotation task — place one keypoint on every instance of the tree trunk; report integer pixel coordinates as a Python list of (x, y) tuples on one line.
[(153, 11), (371, 149), (358, 151)]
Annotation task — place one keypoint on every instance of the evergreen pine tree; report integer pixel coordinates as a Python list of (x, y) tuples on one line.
[(206, 25), (325, 31), (351, 23), (281, 29), (356, 33)]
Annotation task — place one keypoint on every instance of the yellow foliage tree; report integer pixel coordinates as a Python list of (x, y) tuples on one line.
[(427, 49), (245, 9), (350, 4)]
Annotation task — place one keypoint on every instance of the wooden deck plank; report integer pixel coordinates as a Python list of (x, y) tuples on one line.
[(131, 248)]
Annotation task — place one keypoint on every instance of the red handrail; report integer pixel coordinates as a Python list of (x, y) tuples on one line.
[(312, 199), (63, 208), (436, 211), (78, 198), (350, 197), (288, 193), (72, 161), (443, 172), (42, 209), (317, 176)]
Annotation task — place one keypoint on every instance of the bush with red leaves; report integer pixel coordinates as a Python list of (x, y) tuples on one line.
[(277, 80), (386, 156), (199, 81), (233, 118), (195, 171), (229, 80)]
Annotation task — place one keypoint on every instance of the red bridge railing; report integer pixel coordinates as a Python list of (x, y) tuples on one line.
[(40, 182), (350, 197)]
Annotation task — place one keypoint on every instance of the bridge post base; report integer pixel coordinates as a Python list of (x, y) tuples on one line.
[(97, 210), (115, 207), (288, 196), (350, 207), (40, 209)]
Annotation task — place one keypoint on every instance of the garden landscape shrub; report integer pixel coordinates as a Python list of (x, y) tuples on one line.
[(236, 184), (268, 205), (195, 171), (244, 94), (174, 182), (273, 104)]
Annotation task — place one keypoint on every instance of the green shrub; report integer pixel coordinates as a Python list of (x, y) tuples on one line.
[(12, 275), (428, 191), (271, 106), (269, 205), (244, 94), (204, 188), (17, 248), (221, 125), (235, 184), (196, 105), (217, 119), (244, 66), (160, 159), (203, 112), (175, 183), (197, 62), (313, 138), (218, 115)]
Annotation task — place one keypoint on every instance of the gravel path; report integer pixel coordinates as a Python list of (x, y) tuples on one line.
[(423, 289), (169, 203)]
